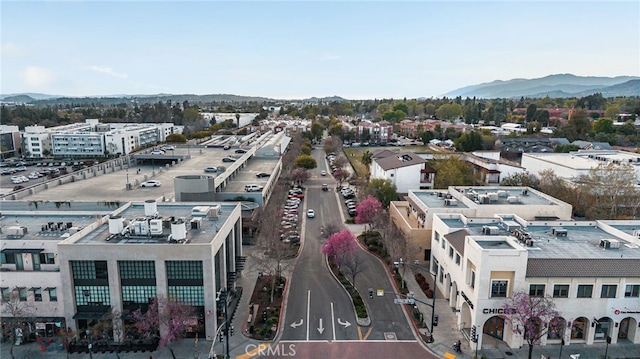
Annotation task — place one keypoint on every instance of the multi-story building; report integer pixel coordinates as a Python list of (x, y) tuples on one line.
[(10, 142), (590, 270), (91, 263), (406, 170), (489, 168), (414, 217)]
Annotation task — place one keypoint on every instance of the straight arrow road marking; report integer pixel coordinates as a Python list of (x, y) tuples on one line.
[(295, 325), (333, 323), (320, 328)]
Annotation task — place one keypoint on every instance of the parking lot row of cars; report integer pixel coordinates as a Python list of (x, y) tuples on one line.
[(290, 216)]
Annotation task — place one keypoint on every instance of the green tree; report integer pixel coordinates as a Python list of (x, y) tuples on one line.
[(335, 130), (469, 141), (451, 171), (531, 112), (603, 125), (316, 130), (579, 122), (521, 179), (449, 111), (612, 112), (366, 158), (176, 138), (383, 189), (306, 161)]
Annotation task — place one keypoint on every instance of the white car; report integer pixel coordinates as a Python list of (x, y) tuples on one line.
[(253, 188), (323, 173), (157, 152), (168, 148), (311, 213), (152, 183)]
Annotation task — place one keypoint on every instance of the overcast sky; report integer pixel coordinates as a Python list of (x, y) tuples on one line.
[(299, 49)]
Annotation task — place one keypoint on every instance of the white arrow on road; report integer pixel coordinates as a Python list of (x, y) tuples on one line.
[(320, 328), (295, 325), (346, 323)]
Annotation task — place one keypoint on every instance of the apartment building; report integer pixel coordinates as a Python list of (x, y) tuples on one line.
[(406, 170), (591, 270)]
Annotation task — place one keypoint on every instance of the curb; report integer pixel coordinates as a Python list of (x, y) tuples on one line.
[(365, 322)]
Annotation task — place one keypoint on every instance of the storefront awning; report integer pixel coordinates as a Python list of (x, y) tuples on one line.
[(89, 315), (22, 250)]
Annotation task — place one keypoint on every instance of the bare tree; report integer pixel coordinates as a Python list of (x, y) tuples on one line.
[(354, 264), (399, 247), (613, 189), (15, 307)]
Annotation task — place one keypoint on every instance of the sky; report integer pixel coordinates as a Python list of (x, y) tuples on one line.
[(300, 49)]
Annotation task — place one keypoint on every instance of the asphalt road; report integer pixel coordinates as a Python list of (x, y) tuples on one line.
[(315, 296)]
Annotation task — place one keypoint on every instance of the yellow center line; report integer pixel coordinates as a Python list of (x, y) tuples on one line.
[(367, 335), (250, 354), (360, 337)]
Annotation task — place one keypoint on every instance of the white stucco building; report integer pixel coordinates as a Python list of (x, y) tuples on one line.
[(406, 170)]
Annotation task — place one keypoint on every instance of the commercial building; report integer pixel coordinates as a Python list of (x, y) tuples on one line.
[(590, 270), (116, 261)]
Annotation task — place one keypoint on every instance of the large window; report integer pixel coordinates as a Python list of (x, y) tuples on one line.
[(585, 291), (22, 292), (457, 259), (92, 295), (450, 251), (137, 269), (89, 269), (536, 290), (472, 281), (6, 294), (632, 291), (184, 270), (608, 291), (37, 294), (138, 294), (189, 295), (47, 258), (53, 295), (561, 291), (499, 288)]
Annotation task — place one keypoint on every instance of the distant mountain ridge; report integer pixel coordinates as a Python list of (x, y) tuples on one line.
[(560, 85)]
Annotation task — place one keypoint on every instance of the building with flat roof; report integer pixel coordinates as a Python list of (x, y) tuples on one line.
[(590, 269), (115, 257)]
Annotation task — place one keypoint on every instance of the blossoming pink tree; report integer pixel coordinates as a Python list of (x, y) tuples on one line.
[(340, 246), (165, 319), (367, 210), (530, 316)]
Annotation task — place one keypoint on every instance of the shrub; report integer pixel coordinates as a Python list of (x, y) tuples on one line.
[(429, 293)]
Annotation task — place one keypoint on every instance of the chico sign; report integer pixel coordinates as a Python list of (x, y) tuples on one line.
[(494, 311)]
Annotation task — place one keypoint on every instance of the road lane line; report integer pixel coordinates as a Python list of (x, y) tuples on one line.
[(359, 333), (308, 306), (333, 322)]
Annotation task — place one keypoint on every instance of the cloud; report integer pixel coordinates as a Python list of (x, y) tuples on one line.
[(37, 77), (107, 70), (11, 49)]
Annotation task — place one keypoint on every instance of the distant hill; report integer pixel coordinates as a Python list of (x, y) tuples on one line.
[(562, 85)]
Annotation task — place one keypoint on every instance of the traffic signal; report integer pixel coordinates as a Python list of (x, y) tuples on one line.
[(264, 315), (231, 330), (370, 293), (435, 320), (221, 336)]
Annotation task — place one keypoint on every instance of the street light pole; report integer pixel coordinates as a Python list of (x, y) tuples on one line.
[(433, 297)]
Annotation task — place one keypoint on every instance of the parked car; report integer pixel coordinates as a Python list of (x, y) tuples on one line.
[(262, 174), (253, 188), (226, 147), (240, 150), (311, 213), (157, 152), (228, 159), (323, 173), (151, 183), (325, 187), (211, 169), (352, 213), (168, 148)]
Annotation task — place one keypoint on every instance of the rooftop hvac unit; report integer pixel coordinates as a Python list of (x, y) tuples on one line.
[(440, 194), (150, 207), (140, 227), (513, 199), (636, 233), (502, 193), (178, 230), (483, 199), (490, 230), (200, 211), (16, 231), (525, 192), (450, 202), (74, 230), (214, 211), (116, 224), (196, 223), (529, 242), (155, 227), (609, 243), (493, 196), (559, 232)]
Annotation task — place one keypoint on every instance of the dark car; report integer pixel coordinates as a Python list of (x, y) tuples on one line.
[(228, 159), (262, 174), (240, 150)]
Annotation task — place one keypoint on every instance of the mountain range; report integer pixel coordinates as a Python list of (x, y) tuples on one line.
[(554, 86)]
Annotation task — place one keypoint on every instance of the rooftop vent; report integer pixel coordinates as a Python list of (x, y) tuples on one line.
[(559, 232), (450, 202), (490, 230), (14, 232), (150, 207)]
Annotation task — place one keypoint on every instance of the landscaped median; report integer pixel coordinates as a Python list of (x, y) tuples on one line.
[(342, 257)]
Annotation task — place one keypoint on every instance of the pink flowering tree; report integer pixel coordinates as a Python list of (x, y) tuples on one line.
[(165, 319), (340, 246), (531, 316), (367, 210), (299, 175), (341, 175)]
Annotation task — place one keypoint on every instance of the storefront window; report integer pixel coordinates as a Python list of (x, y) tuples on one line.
[(556, 328), (579, 328)]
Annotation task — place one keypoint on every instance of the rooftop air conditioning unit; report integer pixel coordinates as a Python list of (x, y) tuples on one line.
[(214, 211), (513, 199), (609, 243), (502, 193), (490, 230), (636, 233), (196, 223), (483, 198), (450, 202), (200, 211)]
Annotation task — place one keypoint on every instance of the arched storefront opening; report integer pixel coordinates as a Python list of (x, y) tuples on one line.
[(556, 330), (494, 327), (579, 329), (602, 329), (453, 298), (628, 327), (465, 317)]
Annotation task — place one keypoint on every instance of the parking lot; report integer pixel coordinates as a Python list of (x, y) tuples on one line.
[(113, 186)]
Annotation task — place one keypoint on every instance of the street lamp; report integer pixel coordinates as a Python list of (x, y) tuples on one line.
[(223, 329), (127, 171), (434, 318)]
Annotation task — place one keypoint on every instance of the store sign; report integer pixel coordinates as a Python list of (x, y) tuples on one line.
[(494, 311), (620, 311), (466, 299)]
